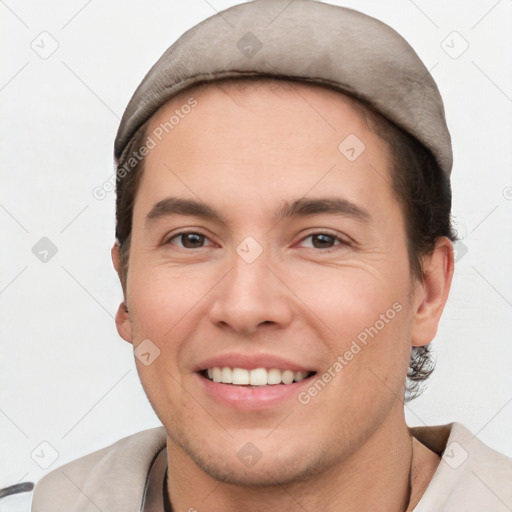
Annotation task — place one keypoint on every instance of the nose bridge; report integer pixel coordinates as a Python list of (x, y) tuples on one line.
[(250, 293), (250, 273)]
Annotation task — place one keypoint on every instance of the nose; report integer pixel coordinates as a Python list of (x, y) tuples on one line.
[(251, 297)]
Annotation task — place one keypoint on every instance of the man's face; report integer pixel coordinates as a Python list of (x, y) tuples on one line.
[(276, 283)]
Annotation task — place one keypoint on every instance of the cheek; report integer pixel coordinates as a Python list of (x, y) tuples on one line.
[(165, 302), (352, 296), (365, 317)]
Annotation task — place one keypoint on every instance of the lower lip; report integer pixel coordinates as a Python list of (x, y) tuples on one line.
[(251, 398)]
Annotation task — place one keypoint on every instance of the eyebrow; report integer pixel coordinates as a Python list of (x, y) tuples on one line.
[(302, 207)]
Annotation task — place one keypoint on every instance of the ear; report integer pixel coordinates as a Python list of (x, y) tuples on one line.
[(432, 292), (123, 322), (115, 253)]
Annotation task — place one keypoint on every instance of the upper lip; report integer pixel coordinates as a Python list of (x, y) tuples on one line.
[(250, 362)]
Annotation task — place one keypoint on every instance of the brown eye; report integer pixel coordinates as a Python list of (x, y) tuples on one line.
[(322, 241), (189, 240)]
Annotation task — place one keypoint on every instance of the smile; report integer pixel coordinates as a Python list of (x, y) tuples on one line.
[(254, 377)]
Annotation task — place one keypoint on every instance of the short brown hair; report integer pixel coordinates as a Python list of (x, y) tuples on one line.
[(421, 187)]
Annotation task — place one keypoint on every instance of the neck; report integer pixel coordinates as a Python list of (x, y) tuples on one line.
[(389, 469)]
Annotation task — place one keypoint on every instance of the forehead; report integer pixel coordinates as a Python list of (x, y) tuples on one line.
[(263, 109), (258, 93), (274, 137)]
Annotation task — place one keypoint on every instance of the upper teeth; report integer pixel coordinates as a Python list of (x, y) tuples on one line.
[(256, 377)]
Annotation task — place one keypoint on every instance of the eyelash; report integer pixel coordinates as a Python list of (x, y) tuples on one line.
[(335, 238)]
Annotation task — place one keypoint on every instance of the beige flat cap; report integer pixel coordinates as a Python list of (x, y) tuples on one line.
[(306, 40)]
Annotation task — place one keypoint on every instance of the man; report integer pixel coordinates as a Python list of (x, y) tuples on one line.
[(284, 248)]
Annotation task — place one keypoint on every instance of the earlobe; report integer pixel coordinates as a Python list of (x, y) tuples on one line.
[(123, 323), (433, 292)]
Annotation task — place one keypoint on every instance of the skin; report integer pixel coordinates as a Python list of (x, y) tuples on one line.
[(246, 154)]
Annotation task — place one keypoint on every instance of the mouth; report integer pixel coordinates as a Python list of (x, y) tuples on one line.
[(254, 378)]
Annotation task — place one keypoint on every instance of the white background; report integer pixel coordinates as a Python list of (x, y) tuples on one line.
[(66, 377)]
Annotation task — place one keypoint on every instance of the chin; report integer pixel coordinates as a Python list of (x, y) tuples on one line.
[(250, 467), (263, 474)]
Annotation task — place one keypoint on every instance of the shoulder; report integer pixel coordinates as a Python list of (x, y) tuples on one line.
[(471, 476), (466, 454), (112, 478)]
